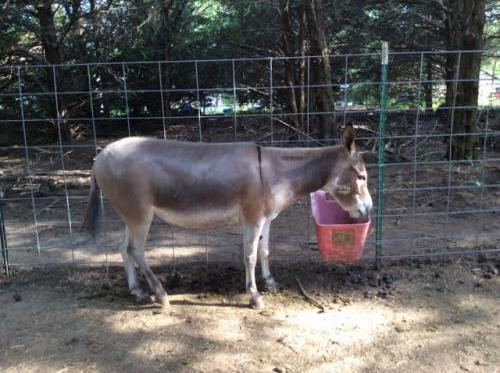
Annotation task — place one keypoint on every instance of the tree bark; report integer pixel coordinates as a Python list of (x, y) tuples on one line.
[(301, 74), (167, 54), (428, 85), (287, 39), (93, 32), (321, 69), (48, 31), (466, 24), (50, 45)]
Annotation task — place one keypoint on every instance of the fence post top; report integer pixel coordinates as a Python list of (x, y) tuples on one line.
[(385, 53)]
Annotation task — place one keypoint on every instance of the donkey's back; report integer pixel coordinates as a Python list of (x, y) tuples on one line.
[(192, 185)]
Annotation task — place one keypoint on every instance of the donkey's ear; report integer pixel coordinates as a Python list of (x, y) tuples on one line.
[(349, 138)]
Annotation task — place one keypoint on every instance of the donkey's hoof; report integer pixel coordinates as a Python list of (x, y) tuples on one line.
[(141, 296), (144, 299), (272, 286), (257, 303), (163, 300)]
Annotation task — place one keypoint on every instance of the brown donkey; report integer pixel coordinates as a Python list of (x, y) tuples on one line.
[(203, 185)]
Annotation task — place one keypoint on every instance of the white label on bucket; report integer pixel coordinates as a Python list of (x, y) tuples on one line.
[(343, 238)]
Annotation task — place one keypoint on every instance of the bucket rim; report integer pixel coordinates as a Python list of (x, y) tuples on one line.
[(364, 224)]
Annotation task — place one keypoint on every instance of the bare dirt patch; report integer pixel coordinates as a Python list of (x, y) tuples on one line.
[(411, 316)]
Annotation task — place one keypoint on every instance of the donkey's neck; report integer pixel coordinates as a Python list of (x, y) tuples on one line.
[(304, 170)]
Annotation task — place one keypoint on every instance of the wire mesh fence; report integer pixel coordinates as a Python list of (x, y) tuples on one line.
[(431, 198)]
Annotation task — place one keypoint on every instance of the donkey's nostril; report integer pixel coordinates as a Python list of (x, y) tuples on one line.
[(364, 211)]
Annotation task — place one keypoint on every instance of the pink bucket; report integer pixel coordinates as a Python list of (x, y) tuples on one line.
[(340, 237)]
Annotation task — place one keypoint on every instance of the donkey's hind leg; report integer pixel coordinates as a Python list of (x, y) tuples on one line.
[(129, 264), (135, 248), (251, 234), (271, 284)]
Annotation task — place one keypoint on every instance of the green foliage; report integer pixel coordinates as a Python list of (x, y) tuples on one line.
[(133, 30)]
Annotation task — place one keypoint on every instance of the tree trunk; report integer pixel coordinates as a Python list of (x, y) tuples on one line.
[(466, 24), (50, 44), (287, 38), (167, 68), (48, 31), (94, 33), (301, 74), (428, 85), (321, 69)]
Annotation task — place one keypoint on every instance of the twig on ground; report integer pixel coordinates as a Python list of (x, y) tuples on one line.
[(269, 134), (284, 343), (45, 208), (364, 128), (427, 203), (299, 131), (308, 297), (44, 150)]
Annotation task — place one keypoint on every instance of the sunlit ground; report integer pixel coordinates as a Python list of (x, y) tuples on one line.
[(434, 318)]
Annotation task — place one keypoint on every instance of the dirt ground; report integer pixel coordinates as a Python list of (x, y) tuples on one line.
[(415, 316)]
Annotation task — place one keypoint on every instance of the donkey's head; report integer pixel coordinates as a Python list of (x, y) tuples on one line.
[(349, 182)]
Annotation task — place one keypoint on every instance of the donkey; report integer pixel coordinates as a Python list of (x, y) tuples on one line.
[(205, 185)]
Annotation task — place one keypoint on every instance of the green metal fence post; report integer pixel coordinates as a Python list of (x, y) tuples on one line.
[(381, 146), (3, 241)]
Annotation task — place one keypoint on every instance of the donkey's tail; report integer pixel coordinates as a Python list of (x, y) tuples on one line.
[(90, 223)]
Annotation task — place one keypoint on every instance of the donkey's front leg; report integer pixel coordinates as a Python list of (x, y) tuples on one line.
[(251, 236), (271, 285)]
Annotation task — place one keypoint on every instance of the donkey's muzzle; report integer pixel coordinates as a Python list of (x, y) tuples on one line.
[(365, 206)]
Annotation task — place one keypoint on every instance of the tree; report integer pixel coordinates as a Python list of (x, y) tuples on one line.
[(466, 19), (288, 37), (321, 69)]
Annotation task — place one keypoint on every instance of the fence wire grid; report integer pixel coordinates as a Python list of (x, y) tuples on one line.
[(54, 119)]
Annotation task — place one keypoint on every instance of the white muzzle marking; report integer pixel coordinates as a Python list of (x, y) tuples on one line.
[(362, 207)]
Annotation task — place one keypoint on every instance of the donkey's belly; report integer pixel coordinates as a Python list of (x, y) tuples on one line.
[(204, 218)]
